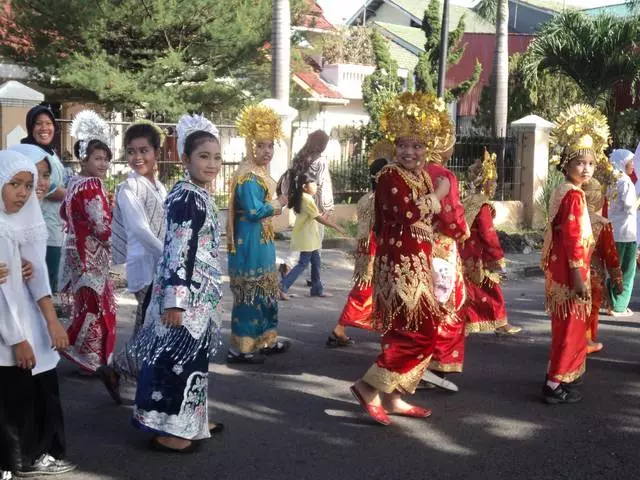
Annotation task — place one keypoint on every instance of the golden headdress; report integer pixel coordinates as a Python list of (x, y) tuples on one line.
[(259, 122), (381, 149), (594, 195), (422, 116), (484, 172), (580, 130)]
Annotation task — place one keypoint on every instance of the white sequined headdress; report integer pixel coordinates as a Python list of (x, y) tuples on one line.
[(189, 124), (87, 126)]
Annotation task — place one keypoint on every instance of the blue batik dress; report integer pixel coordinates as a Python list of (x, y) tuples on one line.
[(252, 266), (171, 398)]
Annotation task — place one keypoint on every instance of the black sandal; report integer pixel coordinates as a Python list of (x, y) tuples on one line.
[(249, 358), (335, 341), (158, 447), (280, 346), (217, 429)]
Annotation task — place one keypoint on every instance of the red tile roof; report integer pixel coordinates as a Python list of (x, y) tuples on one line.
[(317, 85), (315, 18)]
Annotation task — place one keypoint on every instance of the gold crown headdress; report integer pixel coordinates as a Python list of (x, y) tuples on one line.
[(381, 149), (259, 122), (159, 131), (483, 172), (593, 194), (422, 116), (580, 130)]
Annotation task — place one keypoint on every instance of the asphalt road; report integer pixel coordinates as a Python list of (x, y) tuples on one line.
[(294, 418)]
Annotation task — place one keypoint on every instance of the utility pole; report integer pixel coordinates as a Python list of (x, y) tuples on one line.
[(281, 49), (444, 47)]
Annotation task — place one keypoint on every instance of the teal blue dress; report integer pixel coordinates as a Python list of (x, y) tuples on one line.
[(252, 265)]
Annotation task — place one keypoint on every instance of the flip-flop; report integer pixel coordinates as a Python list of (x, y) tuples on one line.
[(375, 411)]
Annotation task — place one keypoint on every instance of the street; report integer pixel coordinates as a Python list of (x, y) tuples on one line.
[(294, 418)]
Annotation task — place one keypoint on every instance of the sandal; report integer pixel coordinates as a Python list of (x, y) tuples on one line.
[(217, 429), (335, 341), (280, 346), (413, 412), (375, 411), (157, 446), (111, 380), (250, 358)]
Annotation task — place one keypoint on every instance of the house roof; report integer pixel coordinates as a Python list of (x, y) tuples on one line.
[(414, 9), (318, 88), (314, 19), (411, 38), (618, 10), (402, 56)]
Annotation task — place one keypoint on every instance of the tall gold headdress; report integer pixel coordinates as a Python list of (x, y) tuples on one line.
[(422, 116), (259, 123), (482, 173), (381, 149)]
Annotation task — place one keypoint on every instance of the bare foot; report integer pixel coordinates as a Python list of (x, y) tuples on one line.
[(283, 296)]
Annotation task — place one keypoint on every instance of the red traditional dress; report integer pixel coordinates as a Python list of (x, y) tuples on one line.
[(482, 256), (567, 245), (405, 308), (450, 229), (603, 259), (357, 310), (86, 259)]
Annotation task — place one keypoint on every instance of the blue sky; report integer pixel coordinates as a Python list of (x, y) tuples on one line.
[(337, 11)]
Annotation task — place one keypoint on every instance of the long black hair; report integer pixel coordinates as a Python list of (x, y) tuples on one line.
[(374, 169), (295, 195)]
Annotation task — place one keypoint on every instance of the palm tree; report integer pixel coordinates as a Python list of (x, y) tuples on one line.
[(281, 41), (498, 10), (596, 52)]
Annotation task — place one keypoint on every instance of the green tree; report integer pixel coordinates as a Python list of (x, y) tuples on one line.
[(427, 68), (165, 56), (596, 52), (382, 85)]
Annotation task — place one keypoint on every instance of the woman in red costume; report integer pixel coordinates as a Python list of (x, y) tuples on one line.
[(405, 307), (566, 254), (357, 310), (604, 259), (87, 250), (482, 255)]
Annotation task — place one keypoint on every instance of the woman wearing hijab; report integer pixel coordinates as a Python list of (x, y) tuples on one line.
[(41, 128), (622, 212)]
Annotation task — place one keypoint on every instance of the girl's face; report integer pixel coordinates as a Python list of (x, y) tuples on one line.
[(204, 163), (629, 167), (97, 164), (142, 158), (580, 169), (43, 129), (410, 153), (264, 153), (44, 179), (311, 188), (16, 192)]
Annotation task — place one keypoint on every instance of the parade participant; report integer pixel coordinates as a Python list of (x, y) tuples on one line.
[(450, 229), (87, 251), (604, 260), (43, 164), (250, 237), (482, 255), (406, 309), (623, 209), (582, 132), (305, 237), (41, 129), (32, 428), (182, 326), (357, 310)]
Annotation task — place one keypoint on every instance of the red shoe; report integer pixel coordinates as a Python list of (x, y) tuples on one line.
[(414, 412), (375, 411)]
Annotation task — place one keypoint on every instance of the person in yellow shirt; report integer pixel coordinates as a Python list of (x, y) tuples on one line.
[(305, 237)]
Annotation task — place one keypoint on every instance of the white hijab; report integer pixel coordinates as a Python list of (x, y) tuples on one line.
[(27, 225), (619, 159), (32, 152)]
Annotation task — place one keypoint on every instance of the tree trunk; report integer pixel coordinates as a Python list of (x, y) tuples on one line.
[(281, 50), (501, 70)]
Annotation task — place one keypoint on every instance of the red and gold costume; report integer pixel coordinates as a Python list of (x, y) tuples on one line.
[(405, 308), (482, 257), (450, 229), (359, 305), (567, 245)]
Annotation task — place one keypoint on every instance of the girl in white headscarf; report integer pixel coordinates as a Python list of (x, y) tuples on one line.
[(623, 215), (30, 399)]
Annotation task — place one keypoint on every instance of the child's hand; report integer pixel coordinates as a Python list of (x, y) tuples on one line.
[(59, 337), (25, 357), (27, 270), (442, 187), (172, 317), (579, 287), (4, 273)]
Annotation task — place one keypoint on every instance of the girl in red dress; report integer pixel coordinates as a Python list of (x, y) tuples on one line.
[(87, 251), (405, 307)]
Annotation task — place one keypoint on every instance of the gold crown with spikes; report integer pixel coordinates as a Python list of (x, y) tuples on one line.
[(422, 116), (483, 172), (381, 149), (259, 122)]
